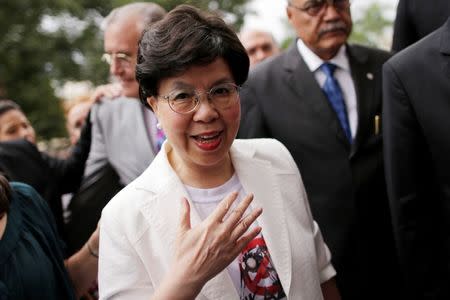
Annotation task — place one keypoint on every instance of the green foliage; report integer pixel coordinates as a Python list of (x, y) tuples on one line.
[(371, 28), (33, 56)]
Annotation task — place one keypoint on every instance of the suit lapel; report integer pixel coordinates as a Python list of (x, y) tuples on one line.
[(267, 195), (363, 79), (302, 81), (165, 212)]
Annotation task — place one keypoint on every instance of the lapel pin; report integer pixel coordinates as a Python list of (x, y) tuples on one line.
[(369, 76)]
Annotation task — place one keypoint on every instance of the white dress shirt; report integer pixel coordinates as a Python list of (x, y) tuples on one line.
[(342, 75)]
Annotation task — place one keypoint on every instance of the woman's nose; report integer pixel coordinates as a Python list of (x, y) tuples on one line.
[(206, 111)]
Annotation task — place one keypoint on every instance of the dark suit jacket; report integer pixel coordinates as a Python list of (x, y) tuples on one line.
[(345, 183), (417, 18), (417, 151)]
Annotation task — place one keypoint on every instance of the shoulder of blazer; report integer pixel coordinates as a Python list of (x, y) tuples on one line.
[(111, 108), (269, 150), (429, 47)]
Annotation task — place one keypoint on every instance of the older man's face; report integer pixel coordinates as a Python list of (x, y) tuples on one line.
[(121, 40), (259, 46), (323, 33)]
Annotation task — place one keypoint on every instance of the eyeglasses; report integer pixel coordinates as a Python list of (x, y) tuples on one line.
[(317, 7), (186, 101), (123, 58)]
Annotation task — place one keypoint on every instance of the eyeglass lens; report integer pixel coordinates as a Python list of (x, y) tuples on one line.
[(121, 57), (221, 97)]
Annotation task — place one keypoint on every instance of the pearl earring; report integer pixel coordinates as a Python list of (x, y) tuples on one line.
[(158, 125)]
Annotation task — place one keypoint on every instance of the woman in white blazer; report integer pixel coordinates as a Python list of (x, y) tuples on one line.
[(191, 226)]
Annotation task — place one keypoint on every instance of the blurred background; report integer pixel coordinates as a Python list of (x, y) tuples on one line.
[(50, 49)]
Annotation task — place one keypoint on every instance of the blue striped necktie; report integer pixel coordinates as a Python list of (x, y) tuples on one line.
[(335, 97)]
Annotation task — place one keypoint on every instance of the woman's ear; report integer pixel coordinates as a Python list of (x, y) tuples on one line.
[(153, 104)]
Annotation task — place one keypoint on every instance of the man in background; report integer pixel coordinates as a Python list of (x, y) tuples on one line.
[(124, 133), (259, 45), (322, 99)]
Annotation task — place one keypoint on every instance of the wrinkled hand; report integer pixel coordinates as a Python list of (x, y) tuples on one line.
[(112, 90), (205, 250)]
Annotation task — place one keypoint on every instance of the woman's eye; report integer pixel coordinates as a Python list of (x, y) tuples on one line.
[(12, 130), (182, 96), (221, 91)]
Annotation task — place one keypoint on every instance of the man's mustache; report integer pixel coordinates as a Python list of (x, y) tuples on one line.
[(335, 26)]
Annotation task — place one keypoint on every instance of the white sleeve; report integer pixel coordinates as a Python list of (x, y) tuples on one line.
[(323, 254), (326, 269), (121, 274)]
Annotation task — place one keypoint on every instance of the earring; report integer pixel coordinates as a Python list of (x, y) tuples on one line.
[(158, 125)]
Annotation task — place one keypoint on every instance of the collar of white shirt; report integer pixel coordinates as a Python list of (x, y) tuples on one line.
[(314, 62)]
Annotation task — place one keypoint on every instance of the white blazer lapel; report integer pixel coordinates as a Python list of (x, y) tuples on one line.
[(164, 216), (267, 195)]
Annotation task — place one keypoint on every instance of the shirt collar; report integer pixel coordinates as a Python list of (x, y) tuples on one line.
[(314, 62)]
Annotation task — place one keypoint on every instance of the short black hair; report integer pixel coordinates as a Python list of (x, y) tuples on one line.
[(186, 37)]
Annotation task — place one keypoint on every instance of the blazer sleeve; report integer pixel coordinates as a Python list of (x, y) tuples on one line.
[(98, 155), (121, 273), (408, 183), (322, 253)]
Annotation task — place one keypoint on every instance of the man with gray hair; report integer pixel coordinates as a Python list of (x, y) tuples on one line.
[(124, 135), (259, 45)]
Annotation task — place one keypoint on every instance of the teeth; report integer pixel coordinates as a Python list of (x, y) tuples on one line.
[(207, 137)]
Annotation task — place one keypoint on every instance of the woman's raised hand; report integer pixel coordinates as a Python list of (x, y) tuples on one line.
[(205, 250)]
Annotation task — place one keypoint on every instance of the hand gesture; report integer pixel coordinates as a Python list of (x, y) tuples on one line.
[(205, 250)]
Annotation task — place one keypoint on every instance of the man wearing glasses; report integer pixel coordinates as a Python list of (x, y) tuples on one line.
[(124, 135), (322, 99)]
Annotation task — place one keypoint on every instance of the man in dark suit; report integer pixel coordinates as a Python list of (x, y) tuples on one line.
[(335, 141), (416, 19), (416, 89)]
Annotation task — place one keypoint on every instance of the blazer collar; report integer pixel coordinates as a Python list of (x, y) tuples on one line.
[(165, 211)]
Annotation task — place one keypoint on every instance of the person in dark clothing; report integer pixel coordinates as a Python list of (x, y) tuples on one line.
[(21, 160), (32, 264), (416, 106)]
